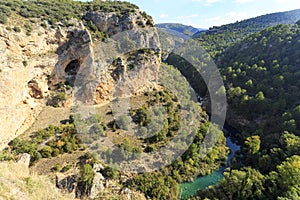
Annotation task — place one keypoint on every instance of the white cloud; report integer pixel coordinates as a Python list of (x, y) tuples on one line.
[(229, 17), (163, 15)]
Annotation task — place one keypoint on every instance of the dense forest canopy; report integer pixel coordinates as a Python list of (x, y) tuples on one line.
[(261, 75), (260, 65), (218, 38)]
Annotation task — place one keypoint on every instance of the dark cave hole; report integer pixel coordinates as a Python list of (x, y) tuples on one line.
[(71, 71), (72, 68)]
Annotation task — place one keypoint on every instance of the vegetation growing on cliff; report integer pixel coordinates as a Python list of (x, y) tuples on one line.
[(53, 11), (65, 13)]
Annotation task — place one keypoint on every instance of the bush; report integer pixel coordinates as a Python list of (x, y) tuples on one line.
[(46, 152), (62, 96), (55, 152), (86, 175), (57, 168), (66, 168), (3, 19), (25, 63), (109, 172), (17, 29), (123, 122), (68, 147)]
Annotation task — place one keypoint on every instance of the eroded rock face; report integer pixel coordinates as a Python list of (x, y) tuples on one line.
[(66, 184), (31, 65), (25, 64), (75, 64), (113, 23), (25, 159), (131, 74), (98, 185)]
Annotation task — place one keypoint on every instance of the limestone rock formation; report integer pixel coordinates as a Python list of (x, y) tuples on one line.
[(66, 184), (25, 159), (98, 185), (32, 64), (129, 75), (26, 62), (113, 23)]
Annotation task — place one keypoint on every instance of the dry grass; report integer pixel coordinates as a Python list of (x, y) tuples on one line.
[(17, 183), (44, 166)]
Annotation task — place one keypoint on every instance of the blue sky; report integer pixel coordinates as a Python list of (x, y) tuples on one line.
[(207, 13)]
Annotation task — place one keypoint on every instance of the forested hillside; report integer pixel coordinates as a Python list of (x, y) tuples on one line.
[(262, 74), (217, 39), (187, 30)]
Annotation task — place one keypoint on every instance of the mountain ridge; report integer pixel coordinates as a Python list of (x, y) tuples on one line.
[(181, 28)]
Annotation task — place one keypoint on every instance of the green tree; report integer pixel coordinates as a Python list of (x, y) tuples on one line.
[(252, 144), (86, 177), (243, 184)]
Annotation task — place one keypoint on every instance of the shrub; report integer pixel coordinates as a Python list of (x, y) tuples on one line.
[(55, 152), (62, 96), (123, 122), (25, 63), (44, 25), (17, 29), (66, 168), (109, 172), (46, 152), (3, 19), (56, 168), (68, 147), (86, 175)]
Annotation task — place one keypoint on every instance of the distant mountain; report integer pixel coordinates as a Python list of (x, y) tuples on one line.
[(256, 24), (218, 38), (180, 28)]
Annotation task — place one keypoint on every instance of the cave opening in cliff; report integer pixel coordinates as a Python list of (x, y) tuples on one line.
[(71, 71)]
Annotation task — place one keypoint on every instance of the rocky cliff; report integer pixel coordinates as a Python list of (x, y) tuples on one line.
[(37, 66), (26, 63)]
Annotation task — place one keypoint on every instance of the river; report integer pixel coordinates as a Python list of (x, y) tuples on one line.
[(189, 189)]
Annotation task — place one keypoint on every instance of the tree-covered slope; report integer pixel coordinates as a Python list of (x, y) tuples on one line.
[(262, 77), (262, 74), (217, 39), (61, 11), (187, 30)]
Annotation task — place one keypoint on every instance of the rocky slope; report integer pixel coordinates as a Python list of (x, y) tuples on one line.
[(35, 64), (26, 63)]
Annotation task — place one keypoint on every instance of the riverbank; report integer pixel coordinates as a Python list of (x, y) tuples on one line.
[(190, 189)]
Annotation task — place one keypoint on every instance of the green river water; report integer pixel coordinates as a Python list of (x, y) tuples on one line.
[(189, 189)]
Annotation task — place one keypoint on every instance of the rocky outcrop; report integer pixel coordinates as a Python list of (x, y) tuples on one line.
[(129, 75), (66, 184), (24, 159), (98, 185), (26, 62), (75, 64), (113, 23), (32, 64)]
